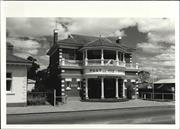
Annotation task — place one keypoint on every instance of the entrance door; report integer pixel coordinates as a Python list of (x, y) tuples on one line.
[(109, 87), (73, 89), (94, 88)]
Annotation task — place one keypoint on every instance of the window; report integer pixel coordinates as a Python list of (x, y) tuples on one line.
[(8, 82)]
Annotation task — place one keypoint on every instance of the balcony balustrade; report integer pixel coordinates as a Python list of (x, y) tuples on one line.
[(98, 62), (132, 66), (105, 62), (67, 62)]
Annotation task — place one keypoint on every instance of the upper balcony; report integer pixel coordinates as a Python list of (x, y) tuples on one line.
[(98, 62), (100, 52)]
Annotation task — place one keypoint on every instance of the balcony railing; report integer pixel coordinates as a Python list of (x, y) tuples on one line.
[(98, 62), (105, 62), (93, 62), (66, 62), (132, 66)]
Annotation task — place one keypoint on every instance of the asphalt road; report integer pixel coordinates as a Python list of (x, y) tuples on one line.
[(151, 115)]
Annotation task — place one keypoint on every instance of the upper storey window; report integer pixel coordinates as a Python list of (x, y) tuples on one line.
[(69, 54)]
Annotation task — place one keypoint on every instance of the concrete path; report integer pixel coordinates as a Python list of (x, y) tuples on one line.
[(81, 106)]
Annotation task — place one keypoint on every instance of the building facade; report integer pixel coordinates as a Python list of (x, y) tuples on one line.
[(16, 79), (92, 67)]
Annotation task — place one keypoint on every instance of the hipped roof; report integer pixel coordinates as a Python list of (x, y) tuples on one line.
[(12, 59), (105, 43), (89, 42)]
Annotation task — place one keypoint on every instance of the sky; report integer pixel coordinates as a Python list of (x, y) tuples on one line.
[(153, 38)]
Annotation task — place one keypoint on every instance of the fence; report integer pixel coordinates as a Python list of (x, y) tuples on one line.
[(43, 98), (38, 98), (157, 96)]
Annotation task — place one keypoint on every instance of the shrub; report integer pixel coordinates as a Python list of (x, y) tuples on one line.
[(36, 98)]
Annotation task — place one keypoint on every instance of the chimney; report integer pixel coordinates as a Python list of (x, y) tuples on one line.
[(55, 36), (119, 40)]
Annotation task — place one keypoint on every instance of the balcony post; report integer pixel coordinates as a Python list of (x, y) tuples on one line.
[(124, 57), (102, 57), (137, 66), (86, 58), (102, 88), (117, 58), (117, 89)]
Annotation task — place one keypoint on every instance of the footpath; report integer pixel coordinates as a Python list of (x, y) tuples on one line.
[(72, 106)]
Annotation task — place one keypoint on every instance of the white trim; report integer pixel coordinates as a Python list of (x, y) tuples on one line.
[(68, 79)]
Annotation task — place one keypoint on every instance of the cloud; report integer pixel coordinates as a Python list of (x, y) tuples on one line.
[(157, 51), (30, 26), (24, 48), (158, 29), (44, 57), (163, 65), (100, 26), (150, 47), (160, 37)]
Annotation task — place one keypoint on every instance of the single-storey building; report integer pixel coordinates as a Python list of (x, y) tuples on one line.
[(166, 87), (16, 78), (163, 89)]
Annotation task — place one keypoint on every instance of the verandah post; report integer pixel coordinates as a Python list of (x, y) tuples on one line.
[(54, 97)]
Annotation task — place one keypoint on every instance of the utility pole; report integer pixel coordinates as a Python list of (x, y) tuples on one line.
[(153, 84)]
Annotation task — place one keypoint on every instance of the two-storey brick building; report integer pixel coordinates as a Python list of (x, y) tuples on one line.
[(91, 67)]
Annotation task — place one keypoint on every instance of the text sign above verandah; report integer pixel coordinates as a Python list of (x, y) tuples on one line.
[(107, 72)]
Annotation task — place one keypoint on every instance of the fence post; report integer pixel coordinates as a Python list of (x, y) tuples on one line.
[(54, 97)]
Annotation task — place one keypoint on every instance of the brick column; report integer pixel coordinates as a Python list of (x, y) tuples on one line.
[(60, 56), (136, 90), (130, 60), (63, 87)]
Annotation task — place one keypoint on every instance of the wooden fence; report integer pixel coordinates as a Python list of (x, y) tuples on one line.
[(157, 96), (43, 98)]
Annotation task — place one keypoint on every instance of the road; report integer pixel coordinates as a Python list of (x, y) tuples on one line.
[(148, 115)]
